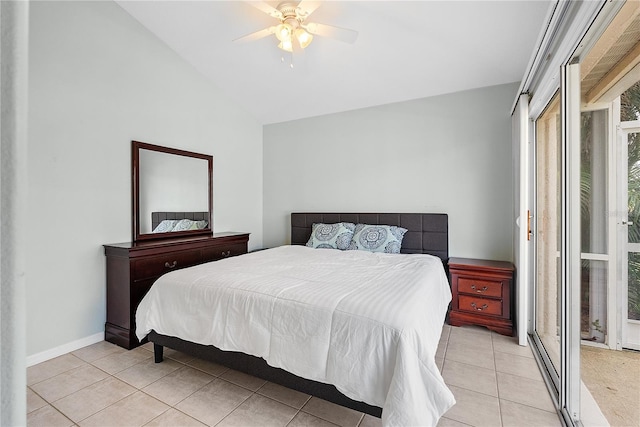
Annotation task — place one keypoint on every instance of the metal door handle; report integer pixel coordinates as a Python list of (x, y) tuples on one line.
[(627, 222)]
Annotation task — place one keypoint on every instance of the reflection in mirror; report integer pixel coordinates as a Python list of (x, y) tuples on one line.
[(172, 192), (170, 183)]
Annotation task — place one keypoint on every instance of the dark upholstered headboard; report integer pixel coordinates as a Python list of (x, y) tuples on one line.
[(158, 217), (427, 233)]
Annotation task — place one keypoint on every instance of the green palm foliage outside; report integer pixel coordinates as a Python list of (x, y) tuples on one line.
[(587, 210), (630, 110)]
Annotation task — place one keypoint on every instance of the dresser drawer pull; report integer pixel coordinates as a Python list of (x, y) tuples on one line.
[(172, 265), (226, 253), (484, 288), (473, 304)]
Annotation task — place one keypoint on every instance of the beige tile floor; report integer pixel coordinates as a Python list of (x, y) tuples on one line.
[(495, 382)]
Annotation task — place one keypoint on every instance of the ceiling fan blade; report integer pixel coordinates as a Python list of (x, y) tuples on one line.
[(307, 7), (337, 33), (257, 35), (266, 8)]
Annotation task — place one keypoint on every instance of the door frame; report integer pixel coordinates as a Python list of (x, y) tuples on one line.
[(612, 339), (570, 243)]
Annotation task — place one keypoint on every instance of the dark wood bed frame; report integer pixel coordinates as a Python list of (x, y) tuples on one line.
[(427, 233)]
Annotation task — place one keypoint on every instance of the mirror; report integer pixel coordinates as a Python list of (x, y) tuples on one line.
[(172, 192)]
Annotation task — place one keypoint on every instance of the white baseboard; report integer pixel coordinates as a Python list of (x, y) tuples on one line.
[(34, 359)]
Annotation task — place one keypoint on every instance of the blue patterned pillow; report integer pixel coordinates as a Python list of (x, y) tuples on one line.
[(165, 226), (198, 225), (332, 236), (378, 238), (183, 224)]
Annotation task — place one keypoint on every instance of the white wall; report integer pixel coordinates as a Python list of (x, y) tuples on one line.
[(98, 80), (449, 154)]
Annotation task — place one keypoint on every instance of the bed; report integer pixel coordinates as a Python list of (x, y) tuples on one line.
[(319, 318)]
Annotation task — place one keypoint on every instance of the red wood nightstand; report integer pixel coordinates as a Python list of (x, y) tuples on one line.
[(482, 294)]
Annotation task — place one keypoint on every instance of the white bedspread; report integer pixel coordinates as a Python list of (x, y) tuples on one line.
[(369, 323)]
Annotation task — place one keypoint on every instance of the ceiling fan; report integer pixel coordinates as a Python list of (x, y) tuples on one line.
[(294, 32)]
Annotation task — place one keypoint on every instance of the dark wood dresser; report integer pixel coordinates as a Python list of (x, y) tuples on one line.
[(482, 294), (133, 267)]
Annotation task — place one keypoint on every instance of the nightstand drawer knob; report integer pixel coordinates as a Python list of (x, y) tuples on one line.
[(172, 265), (473, 304), (484, 288)]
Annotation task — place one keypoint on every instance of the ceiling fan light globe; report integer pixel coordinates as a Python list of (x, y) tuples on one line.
[(304, 38), (284, 32), (286, 45)]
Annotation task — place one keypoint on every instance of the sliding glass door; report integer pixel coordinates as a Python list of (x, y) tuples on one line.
[(584, 279), (547, 237), (556, 330)]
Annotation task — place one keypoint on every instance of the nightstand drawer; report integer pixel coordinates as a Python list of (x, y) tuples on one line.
[(488, 288), (159, 265), (480, 305)]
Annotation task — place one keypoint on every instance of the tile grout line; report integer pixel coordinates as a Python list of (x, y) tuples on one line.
[(52, 402), (294, 417), (446, 346), (47, 403), (234, 409), (495, 369), (500, 398), (158, 416), (460, 422), (60, 373), (215, 377), (528, 406), (100, 410)]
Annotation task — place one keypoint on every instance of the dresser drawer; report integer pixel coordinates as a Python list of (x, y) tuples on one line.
[(474, 304), (158, 265), (220, 252), (488, 288)]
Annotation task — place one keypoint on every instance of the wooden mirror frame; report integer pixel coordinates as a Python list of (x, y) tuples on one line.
[(136, 146)]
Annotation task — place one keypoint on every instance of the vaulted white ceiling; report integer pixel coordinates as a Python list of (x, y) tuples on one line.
[(405, 50)]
